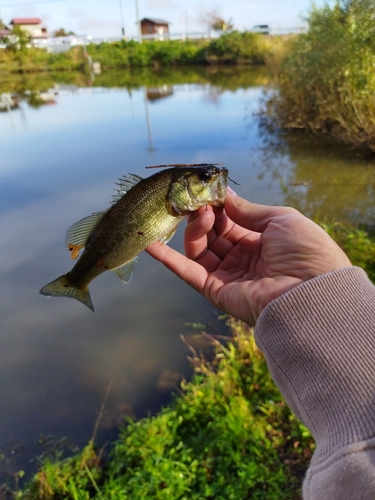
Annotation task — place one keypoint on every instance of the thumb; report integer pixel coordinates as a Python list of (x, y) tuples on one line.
[(250, 215)]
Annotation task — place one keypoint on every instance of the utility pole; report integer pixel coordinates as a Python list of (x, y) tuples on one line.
[(138, 22), (122, 20)]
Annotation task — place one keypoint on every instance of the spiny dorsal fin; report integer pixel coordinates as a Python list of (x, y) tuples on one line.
[(77, 234), (126, 183)]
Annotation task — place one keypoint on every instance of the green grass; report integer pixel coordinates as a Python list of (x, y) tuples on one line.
[(229, 436), (235, 47), (357, 244)]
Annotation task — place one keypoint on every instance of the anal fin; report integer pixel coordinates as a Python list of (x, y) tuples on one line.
[(125, 272)]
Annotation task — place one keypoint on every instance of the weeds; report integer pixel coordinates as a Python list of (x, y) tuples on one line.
[(229, 435)]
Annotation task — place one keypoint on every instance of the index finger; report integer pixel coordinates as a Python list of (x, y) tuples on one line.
[(191, 272)]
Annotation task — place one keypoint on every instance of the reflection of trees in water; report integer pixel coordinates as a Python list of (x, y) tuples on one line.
[(224, 77), (320, 178), (212, 94)]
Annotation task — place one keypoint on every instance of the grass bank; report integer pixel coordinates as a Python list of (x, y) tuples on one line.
[(231, 48), (228, 435), (327, 82)]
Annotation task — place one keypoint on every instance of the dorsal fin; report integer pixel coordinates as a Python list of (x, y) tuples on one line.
[(77, 234), (126, 183)]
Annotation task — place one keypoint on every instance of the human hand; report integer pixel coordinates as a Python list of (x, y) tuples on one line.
[(246, 255)]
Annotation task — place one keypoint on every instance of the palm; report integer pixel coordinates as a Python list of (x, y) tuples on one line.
[(240, 270)]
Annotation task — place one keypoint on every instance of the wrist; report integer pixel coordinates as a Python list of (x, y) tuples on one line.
[(319, 343)]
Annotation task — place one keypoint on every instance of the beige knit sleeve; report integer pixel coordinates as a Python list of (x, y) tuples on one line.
[(319, 342)]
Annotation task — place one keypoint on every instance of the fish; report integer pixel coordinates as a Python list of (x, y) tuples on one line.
[(143, 211)]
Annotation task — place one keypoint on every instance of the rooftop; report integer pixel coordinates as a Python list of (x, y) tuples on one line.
[(26, 20)]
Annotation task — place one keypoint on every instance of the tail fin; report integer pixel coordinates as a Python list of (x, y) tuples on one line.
[(62, 288)]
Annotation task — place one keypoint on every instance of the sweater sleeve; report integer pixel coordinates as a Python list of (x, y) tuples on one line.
[(319, 342)]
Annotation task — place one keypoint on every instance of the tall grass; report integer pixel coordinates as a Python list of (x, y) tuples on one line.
[(327, 82), (228, 436)]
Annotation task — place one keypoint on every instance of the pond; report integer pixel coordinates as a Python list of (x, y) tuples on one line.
[(61, 154)]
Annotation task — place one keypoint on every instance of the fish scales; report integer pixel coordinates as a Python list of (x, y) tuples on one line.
[(150, 211)]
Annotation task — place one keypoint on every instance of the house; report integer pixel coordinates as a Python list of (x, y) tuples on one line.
[(4, 31), (154, 29), (32, 25)]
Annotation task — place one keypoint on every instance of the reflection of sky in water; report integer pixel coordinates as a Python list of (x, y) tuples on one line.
[(58, 164)]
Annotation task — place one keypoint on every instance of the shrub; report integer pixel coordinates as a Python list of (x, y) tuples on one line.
[(236, 47), (327, 81)]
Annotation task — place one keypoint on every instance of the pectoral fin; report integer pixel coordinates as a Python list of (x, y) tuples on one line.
[(168, 236), (125, 271), (77, 234)]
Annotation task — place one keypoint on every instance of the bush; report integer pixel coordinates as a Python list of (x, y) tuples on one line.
[(236, 47), (327, 82)]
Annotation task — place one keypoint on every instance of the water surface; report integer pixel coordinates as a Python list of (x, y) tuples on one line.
[(59, 162)]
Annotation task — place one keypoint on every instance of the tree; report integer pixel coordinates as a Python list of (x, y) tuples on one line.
[(213, 20), (62, 32), (19, 39)]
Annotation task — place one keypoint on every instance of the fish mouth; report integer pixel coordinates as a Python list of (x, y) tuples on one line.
[(219, 187)]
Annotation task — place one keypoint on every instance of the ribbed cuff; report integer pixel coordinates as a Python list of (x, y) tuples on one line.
[(319, 342)]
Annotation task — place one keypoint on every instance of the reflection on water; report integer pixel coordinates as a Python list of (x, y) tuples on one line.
[(321, 178), (59, 163)]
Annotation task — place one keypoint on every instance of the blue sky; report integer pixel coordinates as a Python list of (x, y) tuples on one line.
[(101, 18)]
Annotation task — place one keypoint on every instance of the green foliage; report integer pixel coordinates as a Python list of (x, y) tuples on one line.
[(236, 47), (131, 53), (327, 82), (228, 436), (357, 244), (63, 32), (74, 478)]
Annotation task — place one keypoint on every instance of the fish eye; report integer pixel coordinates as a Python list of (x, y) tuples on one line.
[(205, 175)]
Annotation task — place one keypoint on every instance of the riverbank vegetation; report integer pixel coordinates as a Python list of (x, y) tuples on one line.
[(234, 48), (227, 435), (327, 82)]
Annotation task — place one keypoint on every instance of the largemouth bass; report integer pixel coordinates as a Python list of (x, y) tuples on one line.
[(142, 212)]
